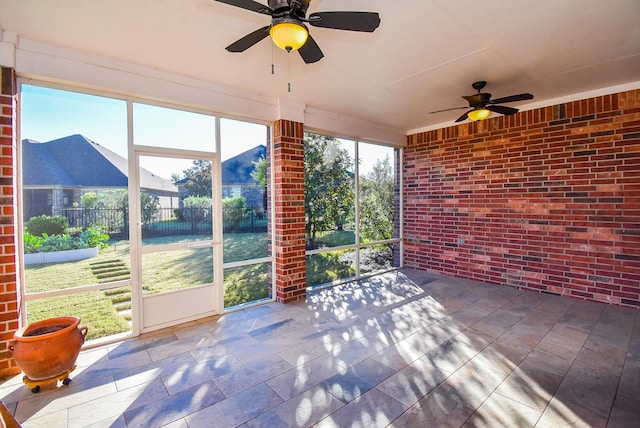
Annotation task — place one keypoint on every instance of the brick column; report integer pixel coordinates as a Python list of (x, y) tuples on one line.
[(9, 296), (288, 236)]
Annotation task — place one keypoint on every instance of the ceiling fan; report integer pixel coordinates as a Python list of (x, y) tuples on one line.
[(288, 30), (482, 105)]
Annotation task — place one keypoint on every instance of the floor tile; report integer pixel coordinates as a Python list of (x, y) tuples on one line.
[(301, 378), (530, 385), (561, 415), (373, 409), (588, 389), (630, 380), (46, 402), (169, 409), (402, 349), (56, 419), (237, 409), (240, 379), (625, 412), (472, 384), (149, 372), (357, 380), (303, 410), (199, 373), (413, 382), (83, 414), (437, 409), (500, 411), (132, 346)]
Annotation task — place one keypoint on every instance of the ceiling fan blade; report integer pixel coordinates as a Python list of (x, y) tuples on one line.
[(448, 109), (249, 40), (512, 98), (463, 117), (352, 21), (502, 109), (251, 5), (310, 51)]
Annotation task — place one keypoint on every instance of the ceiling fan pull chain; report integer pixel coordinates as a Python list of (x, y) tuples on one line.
[(288, 71)]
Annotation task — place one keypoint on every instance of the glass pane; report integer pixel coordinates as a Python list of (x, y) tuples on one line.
[(105, 313), (173, 270), (244, 189), (329, 191), (174, 202), (74, 180), (330, 266), (377, 188), (170, 128), (246, 284)]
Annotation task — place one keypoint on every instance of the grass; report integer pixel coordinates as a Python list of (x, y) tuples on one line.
[(328, 267), (335, 238), (246, 284), (93, 308), (169, 271)]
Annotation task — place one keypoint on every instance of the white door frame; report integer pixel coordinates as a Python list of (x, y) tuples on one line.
[(156, 311)]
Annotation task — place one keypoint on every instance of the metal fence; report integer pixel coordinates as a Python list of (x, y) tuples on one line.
[(167, 221)]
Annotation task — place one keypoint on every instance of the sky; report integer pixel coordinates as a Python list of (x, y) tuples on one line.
[(48, 114)]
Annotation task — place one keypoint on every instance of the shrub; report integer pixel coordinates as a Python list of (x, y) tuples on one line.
[(44, 224), (196, 209), (49, 243), (32, 243), (233, 211), (93, 236), (179, 214)]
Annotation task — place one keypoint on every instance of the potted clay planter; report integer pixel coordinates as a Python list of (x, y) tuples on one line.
[(47, 350)]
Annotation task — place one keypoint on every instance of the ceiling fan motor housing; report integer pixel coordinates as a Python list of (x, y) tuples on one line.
[(297, 8), (479, 100)]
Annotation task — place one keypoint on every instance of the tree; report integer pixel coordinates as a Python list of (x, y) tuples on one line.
[(328, 185), (150, 205), (199, 179), (377, 202), (259, 174)]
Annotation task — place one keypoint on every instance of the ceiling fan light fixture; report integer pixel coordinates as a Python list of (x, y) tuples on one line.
[(289, 35), (479, 114)]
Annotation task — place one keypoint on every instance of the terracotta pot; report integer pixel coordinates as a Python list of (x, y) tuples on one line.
[(48, 348)]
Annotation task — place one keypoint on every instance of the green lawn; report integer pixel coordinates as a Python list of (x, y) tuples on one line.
[(167, 271)]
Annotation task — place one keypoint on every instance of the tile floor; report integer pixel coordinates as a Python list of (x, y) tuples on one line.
[(402, 349)]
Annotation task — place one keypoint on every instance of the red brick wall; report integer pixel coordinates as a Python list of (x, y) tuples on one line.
[(288, 237), (9, 303), (547, 199)]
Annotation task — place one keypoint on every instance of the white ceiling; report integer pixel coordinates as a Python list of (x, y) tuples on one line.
[(423, 57)]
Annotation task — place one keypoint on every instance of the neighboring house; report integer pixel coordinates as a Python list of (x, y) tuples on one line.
[(237, 179), (55, 175)]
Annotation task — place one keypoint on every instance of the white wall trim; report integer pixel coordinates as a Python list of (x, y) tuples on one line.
[(58, 65), (550, 102), (338, 125)]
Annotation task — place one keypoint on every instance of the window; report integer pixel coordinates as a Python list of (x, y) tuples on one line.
[(76, 165), (70, 141), (245, 210), (351, 209)]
